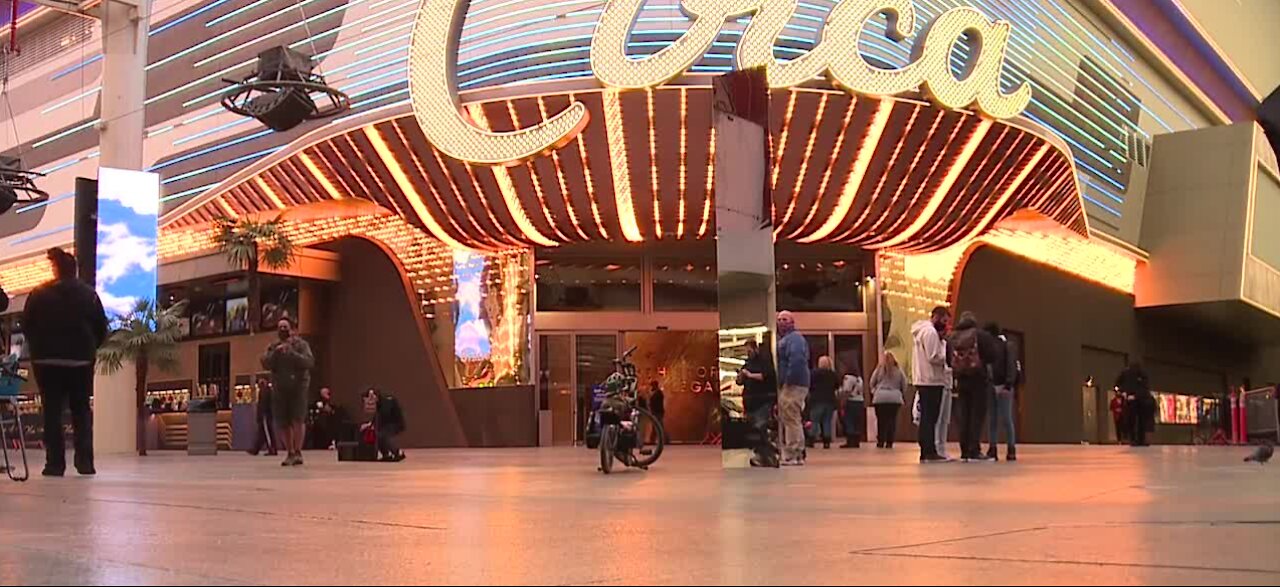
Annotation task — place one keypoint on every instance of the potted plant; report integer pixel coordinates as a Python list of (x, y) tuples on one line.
[(250, 245), (148, 335)]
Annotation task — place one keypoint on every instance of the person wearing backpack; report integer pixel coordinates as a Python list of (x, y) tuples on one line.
[(1004, 384), (972, 352)]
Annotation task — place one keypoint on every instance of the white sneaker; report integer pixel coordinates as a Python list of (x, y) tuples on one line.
[(793, 463)]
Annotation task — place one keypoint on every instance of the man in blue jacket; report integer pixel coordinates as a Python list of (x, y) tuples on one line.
[(793, 379)]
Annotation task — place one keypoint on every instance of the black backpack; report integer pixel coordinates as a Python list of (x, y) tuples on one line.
[(966, 359)]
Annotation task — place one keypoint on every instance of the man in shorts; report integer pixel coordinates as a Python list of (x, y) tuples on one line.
[(290, 361)]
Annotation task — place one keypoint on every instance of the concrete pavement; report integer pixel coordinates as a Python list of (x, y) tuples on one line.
[(1062, 515)]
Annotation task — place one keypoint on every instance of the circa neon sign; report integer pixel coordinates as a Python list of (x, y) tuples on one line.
[(433, 69)]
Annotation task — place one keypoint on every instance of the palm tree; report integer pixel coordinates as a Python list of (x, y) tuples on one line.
[(250, 244), (148, 335)]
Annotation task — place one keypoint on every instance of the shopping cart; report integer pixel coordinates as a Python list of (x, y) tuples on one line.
[(10, 385)]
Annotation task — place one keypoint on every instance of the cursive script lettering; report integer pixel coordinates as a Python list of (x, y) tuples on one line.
[(433, 84), (433, 88)]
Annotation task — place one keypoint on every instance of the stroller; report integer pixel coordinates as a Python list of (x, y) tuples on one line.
[(10, 383)]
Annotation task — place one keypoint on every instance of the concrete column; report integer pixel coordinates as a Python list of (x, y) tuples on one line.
[(124, 84), (120, 138), (115, 412)]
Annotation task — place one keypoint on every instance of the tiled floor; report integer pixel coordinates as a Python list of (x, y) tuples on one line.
[(1062, 515)]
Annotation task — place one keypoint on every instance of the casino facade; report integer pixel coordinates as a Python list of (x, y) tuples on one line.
[(508, 203)]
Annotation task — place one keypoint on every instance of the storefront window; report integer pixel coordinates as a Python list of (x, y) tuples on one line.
[(587, 284), (820, 285), (684, 285)]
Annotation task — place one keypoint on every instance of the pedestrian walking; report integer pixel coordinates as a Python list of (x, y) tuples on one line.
[(64, 325), (1136, 387), (973, 352), (290, 361), (888, 394), (793, 377), (264, 422), (1004, 383), (1117, 416), (855, 407), (928, 374), (823, 383), (658, 407)]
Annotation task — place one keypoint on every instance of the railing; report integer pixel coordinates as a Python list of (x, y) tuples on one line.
[(1262, 414)]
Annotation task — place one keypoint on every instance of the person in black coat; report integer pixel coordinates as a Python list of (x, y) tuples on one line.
[(388, 423), (64, 325), (973, 382), (1136, 387)]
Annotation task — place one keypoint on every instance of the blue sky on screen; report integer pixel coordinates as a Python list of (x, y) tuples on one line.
[(128, 202)]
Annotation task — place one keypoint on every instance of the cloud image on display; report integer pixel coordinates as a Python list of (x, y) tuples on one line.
[(128, 202)]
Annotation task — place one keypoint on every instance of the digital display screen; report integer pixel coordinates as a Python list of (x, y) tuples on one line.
[(128, 205)]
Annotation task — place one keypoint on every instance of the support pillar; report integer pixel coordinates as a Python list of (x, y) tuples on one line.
[(744, 239), (120, 138), (124, 85)]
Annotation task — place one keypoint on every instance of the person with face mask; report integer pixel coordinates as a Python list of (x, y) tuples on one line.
[(793, 377), (928, 374), (290, 361)]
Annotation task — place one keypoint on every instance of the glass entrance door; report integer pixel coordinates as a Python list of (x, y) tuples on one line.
[(571, 364), (595, 354), (555, 352)]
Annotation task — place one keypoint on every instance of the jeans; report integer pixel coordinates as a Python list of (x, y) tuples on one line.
[(1002, 413), (930, 408), (62, 387), (821, 415), (886, 424), (944, 423), (791, 400), (853, 414), (973, 414)]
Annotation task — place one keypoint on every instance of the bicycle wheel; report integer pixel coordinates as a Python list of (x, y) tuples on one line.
[(659, 442), (608, 443)]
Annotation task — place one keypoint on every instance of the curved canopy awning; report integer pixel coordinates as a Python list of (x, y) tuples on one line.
[(877, 173)]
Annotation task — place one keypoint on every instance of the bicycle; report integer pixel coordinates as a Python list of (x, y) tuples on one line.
[(622, 421)]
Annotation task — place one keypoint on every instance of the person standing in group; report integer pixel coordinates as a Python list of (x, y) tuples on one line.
[(64, 325), (823, 382), (1004, 387), (264, 421), (888, 394), (855, 407), (290, 361), (928, 374), (793, 377), (1136, 387), (973, 352), (658, 407)]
